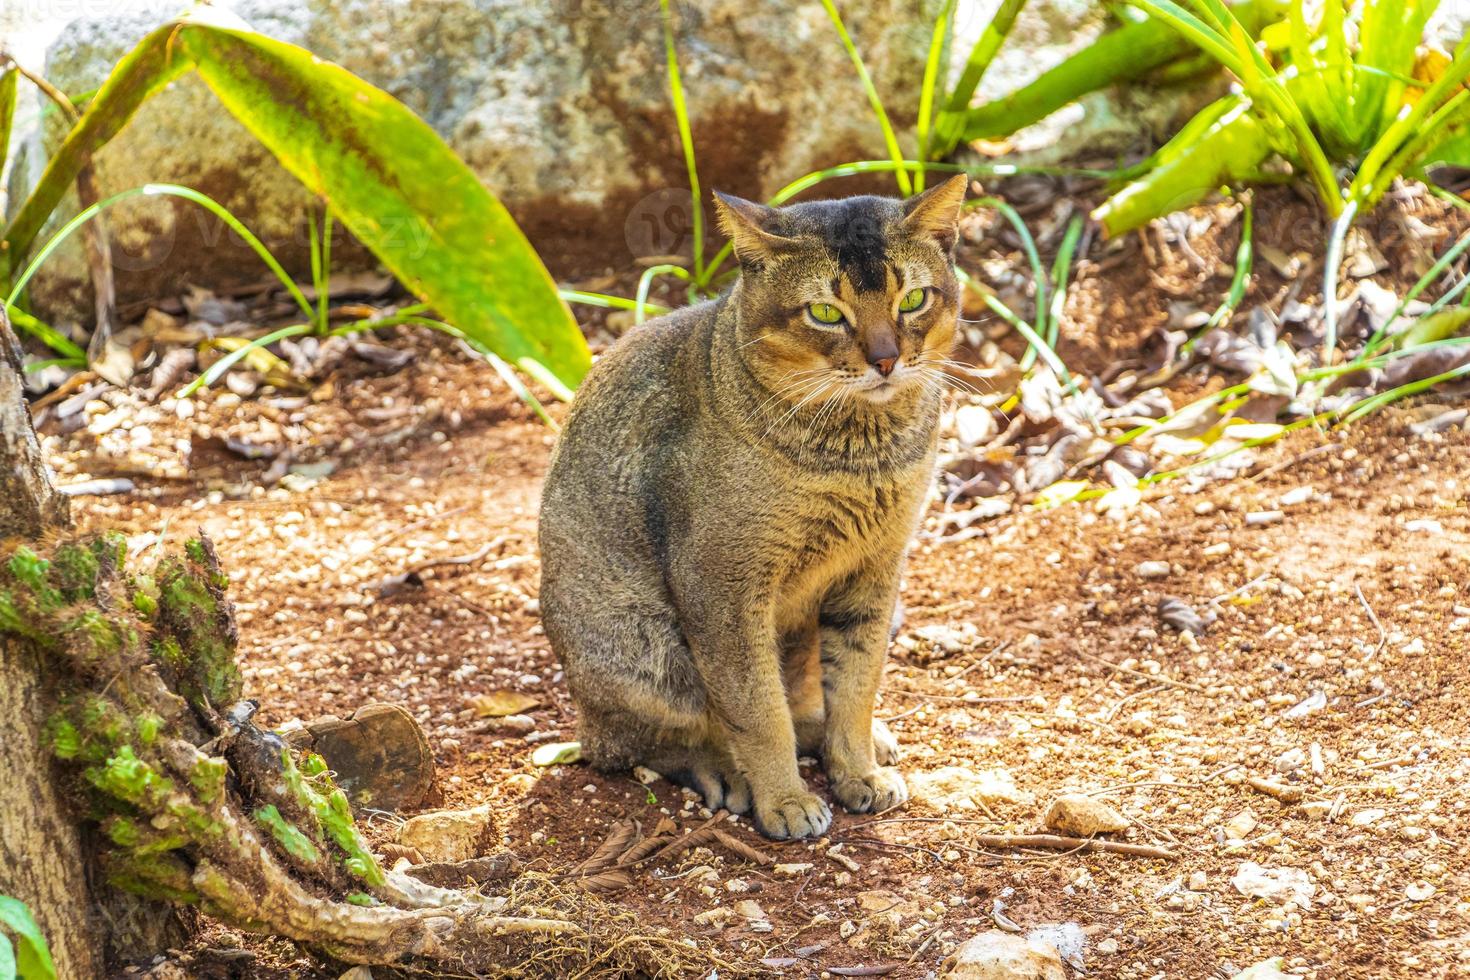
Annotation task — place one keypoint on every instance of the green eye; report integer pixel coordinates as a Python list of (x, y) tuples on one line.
[(912, 300), (825, 313)]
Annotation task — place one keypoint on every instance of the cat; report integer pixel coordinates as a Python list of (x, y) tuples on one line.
[(730, 502)]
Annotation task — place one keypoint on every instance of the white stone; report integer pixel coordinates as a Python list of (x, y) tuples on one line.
[(1082, 816), (997, 955), (957, 788), (448, 835)]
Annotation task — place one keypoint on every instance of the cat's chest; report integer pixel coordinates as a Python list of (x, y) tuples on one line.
[(831, 531)]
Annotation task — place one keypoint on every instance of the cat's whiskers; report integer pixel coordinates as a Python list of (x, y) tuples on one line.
[(802, 379), (844, 391), (827, 382)]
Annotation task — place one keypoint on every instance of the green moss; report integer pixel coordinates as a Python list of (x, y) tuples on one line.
[(203, 652), (288, 835), (161, 876), (141, 840), (63, 738), (30, 570), (333, 814), (131, 780), (145, 604), (147, 727), (93, 637), (194, 548), (74, 568), (208, 778)]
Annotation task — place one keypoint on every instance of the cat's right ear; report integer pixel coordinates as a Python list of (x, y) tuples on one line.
[(749, 227)]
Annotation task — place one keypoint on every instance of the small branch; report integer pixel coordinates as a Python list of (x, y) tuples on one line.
[(1156, 678), (1081, 845), (1382, 633)]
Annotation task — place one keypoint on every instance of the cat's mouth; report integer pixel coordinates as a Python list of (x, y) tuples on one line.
[(880, 388)]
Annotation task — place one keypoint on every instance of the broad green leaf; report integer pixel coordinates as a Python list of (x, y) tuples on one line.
[(7, 958), (1191, 166), (32, 955), (1128, 52), (401, 191), (150, 66)]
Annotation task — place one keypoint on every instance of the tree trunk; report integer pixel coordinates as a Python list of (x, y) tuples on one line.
[(44, 856)]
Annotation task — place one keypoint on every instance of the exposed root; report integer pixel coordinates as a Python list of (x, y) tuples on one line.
[(201, 807)]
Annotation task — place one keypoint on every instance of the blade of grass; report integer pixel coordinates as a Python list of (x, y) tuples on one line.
[(218, 368), (686, 137), (1061, 269), (1329, 279), (73, 355), (1383, 399), (608, 302), (504, 370), (950, 126), (1244, 256), (1434, 272), (933, 78), (900, 174), (1038, 274), (167, 190), (1025, 329), (646, 280)]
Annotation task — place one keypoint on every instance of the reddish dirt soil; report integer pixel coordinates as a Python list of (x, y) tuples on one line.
[(1035, 647), (1111, 701)]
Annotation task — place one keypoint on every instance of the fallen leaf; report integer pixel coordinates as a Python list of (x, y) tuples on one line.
[(556, 753), (498, 704)]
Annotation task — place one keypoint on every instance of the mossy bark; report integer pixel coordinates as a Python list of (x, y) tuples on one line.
[(130, 681), (42, 859)]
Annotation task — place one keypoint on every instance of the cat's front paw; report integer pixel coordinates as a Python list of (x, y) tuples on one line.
[(879, 790), (790, 817)]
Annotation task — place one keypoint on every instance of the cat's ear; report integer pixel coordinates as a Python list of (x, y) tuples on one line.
[(935, 214), (750, 228)]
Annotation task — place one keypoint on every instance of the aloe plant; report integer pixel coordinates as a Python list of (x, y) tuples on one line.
[(433, 224), (1346, 100)]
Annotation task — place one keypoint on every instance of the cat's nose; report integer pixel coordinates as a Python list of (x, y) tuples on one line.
[(884, 364)]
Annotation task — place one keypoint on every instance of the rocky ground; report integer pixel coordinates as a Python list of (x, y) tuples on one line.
[(1250, 684), (1301, 760)]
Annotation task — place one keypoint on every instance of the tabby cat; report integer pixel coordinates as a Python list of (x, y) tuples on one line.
[(730, 502)]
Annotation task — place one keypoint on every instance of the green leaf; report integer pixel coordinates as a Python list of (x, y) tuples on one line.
[(33, 956), (951, 124), (1128, 52), (144, 70), (401, 191), (7, 958), (7, 111), (556, 753), (1191, 166), (1436, 326)]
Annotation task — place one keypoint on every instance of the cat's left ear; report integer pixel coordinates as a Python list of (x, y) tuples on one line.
[(935, 214)]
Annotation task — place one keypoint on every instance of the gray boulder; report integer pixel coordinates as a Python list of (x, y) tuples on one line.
[(560, 106)]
